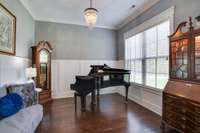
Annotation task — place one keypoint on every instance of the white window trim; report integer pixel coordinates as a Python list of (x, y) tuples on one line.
[(162, 17)]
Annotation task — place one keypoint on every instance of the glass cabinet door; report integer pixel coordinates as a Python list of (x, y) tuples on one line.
[(179, 59), (197, 57)]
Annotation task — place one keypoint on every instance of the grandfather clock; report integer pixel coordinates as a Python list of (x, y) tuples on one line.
[(41, 60)]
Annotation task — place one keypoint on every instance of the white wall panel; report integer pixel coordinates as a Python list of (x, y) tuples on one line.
[(64, 72), (150, 99), (12, 69)]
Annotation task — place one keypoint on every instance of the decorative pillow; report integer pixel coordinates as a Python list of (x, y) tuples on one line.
[(10, 104), (26, 91)]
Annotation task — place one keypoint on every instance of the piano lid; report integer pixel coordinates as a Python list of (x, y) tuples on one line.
[(106, 69)]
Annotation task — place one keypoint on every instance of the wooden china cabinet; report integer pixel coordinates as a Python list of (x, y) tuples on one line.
[(181, 96), (41, 60)]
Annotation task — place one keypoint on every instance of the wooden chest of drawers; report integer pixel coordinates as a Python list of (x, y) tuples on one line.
[(181, 110)]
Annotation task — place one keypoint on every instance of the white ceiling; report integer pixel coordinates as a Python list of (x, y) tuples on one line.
[(113, 14)]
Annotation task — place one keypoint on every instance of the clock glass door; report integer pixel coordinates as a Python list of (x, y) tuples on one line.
[(43, 77)]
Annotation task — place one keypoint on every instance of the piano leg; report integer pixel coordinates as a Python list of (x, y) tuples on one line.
[(98, 90), (75, 100), (98, 93), (93, 98), (127, 86), (83, 103)]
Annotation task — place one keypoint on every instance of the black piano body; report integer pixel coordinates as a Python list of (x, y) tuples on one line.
[(103, 76), (106, 76)]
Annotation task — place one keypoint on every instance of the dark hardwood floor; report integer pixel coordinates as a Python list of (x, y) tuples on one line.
[(110, 116)]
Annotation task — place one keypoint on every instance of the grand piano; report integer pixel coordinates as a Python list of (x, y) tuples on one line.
[(99, 77)]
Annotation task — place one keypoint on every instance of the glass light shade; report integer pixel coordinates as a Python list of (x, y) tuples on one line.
[(31, 72), (90, 15)]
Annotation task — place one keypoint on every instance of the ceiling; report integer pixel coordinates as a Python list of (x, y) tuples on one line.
[(113, 14)]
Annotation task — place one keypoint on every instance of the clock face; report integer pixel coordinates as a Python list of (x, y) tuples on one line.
[(43, 56)]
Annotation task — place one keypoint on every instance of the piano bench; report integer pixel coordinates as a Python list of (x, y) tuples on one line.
[(83, 100)]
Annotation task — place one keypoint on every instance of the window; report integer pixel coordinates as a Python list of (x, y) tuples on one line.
[(146, 55)]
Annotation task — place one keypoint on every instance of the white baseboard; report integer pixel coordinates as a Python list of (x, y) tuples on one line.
[(143, 102), (63, 95), (68, 94)]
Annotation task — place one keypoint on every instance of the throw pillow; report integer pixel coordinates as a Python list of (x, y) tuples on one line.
[(10, 104)]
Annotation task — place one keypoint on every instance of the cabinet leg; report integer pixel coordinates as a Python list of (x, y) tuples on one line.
[(163, 128)]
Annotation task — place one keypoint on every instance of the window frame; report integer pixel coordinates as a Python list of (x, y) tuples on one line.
[(167, 15), (130, 60)]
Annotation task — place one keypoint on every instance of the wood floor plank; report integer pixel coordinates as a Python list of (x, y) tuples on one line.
[(111, 115)]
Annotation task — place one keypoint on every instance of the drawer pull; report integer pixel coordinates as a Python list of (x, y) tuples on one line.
[(197, 110), (197, 119), (183, 126), (183, 118), (183, 110)]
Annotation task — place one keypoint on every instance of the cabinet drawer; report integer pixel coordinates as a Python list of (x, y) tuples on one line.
[(193, 127), (194, 107), (172, 100), (176, 117), (173, 108), (194, 118), (180, 126)]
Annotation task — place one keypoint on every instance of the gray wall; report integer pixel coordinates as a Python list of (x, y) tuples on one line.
[(184, 9), (25, 36), (78, 42), (12, 68)]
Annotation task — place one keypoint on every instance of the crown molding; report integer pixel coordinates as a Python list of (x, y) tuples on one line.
[(74, 23), (28, 8), (137, 13)]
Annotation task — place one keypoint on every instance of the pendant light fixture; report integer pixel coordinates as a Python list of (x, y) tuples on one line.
[(90, 15)]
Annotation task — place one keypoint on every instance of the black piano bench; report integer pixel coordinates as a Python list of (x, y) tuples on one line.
[(84, 85)]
